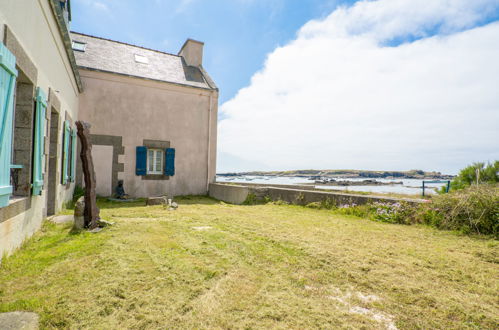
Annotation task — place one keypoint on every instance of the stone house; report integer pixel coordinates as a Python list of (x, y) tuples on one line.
[(153, 117), (39, 90)]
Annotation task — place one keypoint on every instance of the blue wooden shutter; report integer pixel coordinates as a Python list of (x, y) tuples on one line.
[(141, 162), (73, 154), (38, 142), (170, 161), (8, 74), (65, 153)]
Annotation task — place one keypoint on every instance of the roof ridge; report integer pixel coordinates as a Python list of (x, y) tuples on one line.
[(125, 43)]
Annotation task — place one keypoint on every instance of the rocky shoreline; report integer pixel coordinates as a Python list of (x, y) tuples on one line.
[(320, 175), (346, 183)]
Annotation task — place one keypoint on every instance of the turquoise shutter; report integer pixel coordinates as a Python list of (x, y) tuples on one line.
[(73, 154), (141, 162), (8, 74), (38, 143), (170, 161), (65, 152)]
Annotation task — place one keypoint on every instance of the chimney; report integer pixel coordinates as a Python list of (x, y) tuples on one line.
[(192, 52)]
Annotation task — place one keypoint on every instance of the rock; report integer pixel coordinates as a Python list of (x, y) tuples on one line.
[(174, 205), (79, 219), (156, 201), (95, 230), (105, 223), (62, 219), (19, 320)]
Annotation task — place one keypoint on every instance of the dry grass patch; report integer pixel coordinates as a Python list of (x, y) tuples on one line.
[(263, 266)]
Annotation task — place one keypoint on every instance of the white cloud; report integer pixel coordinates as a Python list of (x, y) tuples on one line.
[(336, 97)]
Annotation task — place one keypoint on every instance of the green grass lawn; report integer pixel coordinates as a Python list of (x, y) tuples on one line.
[(213, 265)]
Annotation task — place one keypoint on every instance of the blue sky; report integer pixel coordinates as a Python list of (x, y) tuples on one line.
[(238, 34), (380, 84)]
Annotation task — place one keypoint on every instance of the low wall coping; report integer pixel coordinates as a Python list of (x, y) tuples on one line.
[(316, 191)]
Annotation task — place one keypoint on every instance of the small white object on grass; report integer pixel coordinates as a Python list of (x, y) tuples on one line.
[(202, 228)]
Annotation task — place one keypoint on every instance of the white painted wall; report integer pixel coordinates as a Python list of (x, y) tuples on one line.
[(35, 27)]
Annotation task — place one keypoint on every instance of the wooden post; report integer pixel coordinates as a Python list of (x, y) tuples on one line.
[(423, 188), (91, 213)]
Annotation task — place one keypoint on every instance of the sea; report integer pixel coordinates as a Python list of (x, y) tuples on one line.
[(408, 186)]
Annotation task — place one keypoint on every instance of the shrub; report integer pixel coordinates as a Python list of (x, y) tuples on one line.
[(327, 204), (250, 199), (77, 193), (279, 202), (401, 212), (314, 205), (472, 210), (488, 173), (361, 211)]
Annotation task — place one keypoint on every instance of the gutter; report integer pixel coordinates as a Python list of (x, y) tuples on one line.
[(210, 110), (63, 29)]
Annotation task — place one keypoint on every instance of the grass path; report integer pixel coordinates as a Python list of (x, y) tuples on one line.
[(214, 265)]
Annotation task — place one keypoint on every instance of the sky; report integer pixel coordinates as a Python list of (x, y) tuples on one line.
[(381, 85)]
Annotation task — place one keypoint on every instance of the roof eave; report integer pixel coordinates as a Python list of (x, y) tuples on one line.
[(209, 88), (63, 29), (208, 79)]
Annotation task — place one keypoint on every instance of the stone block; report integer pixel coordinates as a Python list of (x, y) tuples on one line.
[(62, 219), (19, 320), (24, 116), (23, 138), (156, 201), (79, 220)]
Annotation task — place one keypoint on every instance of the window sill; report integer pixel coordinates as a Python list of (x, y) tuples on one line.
[(17, 205), (155, 177)]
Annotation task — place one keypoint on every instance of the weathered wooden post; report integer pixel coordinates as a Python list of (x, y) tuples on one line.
[(91, 213)]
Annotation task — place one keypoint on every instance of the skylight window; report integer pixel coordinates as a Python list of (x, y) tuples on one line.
[(79, 46), (141, 59)]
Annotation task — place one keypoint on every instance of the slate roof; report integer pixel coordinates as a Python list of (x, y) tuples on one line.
[(117, 57)]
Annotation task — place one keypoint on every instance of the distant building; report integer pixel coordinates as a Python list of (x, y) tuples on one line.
[(153, 116), (39, 90)]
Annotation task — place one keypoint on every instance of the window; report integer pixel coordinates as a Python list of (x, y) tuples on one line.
[(39, 141), (79, 46), (66, 152), (8, 74), (72, 167), (155, 161), (141, 59)]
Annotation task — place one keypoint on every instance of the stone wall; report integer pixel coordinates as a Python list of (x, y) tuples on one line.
[(237, 194), (229, 193)]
